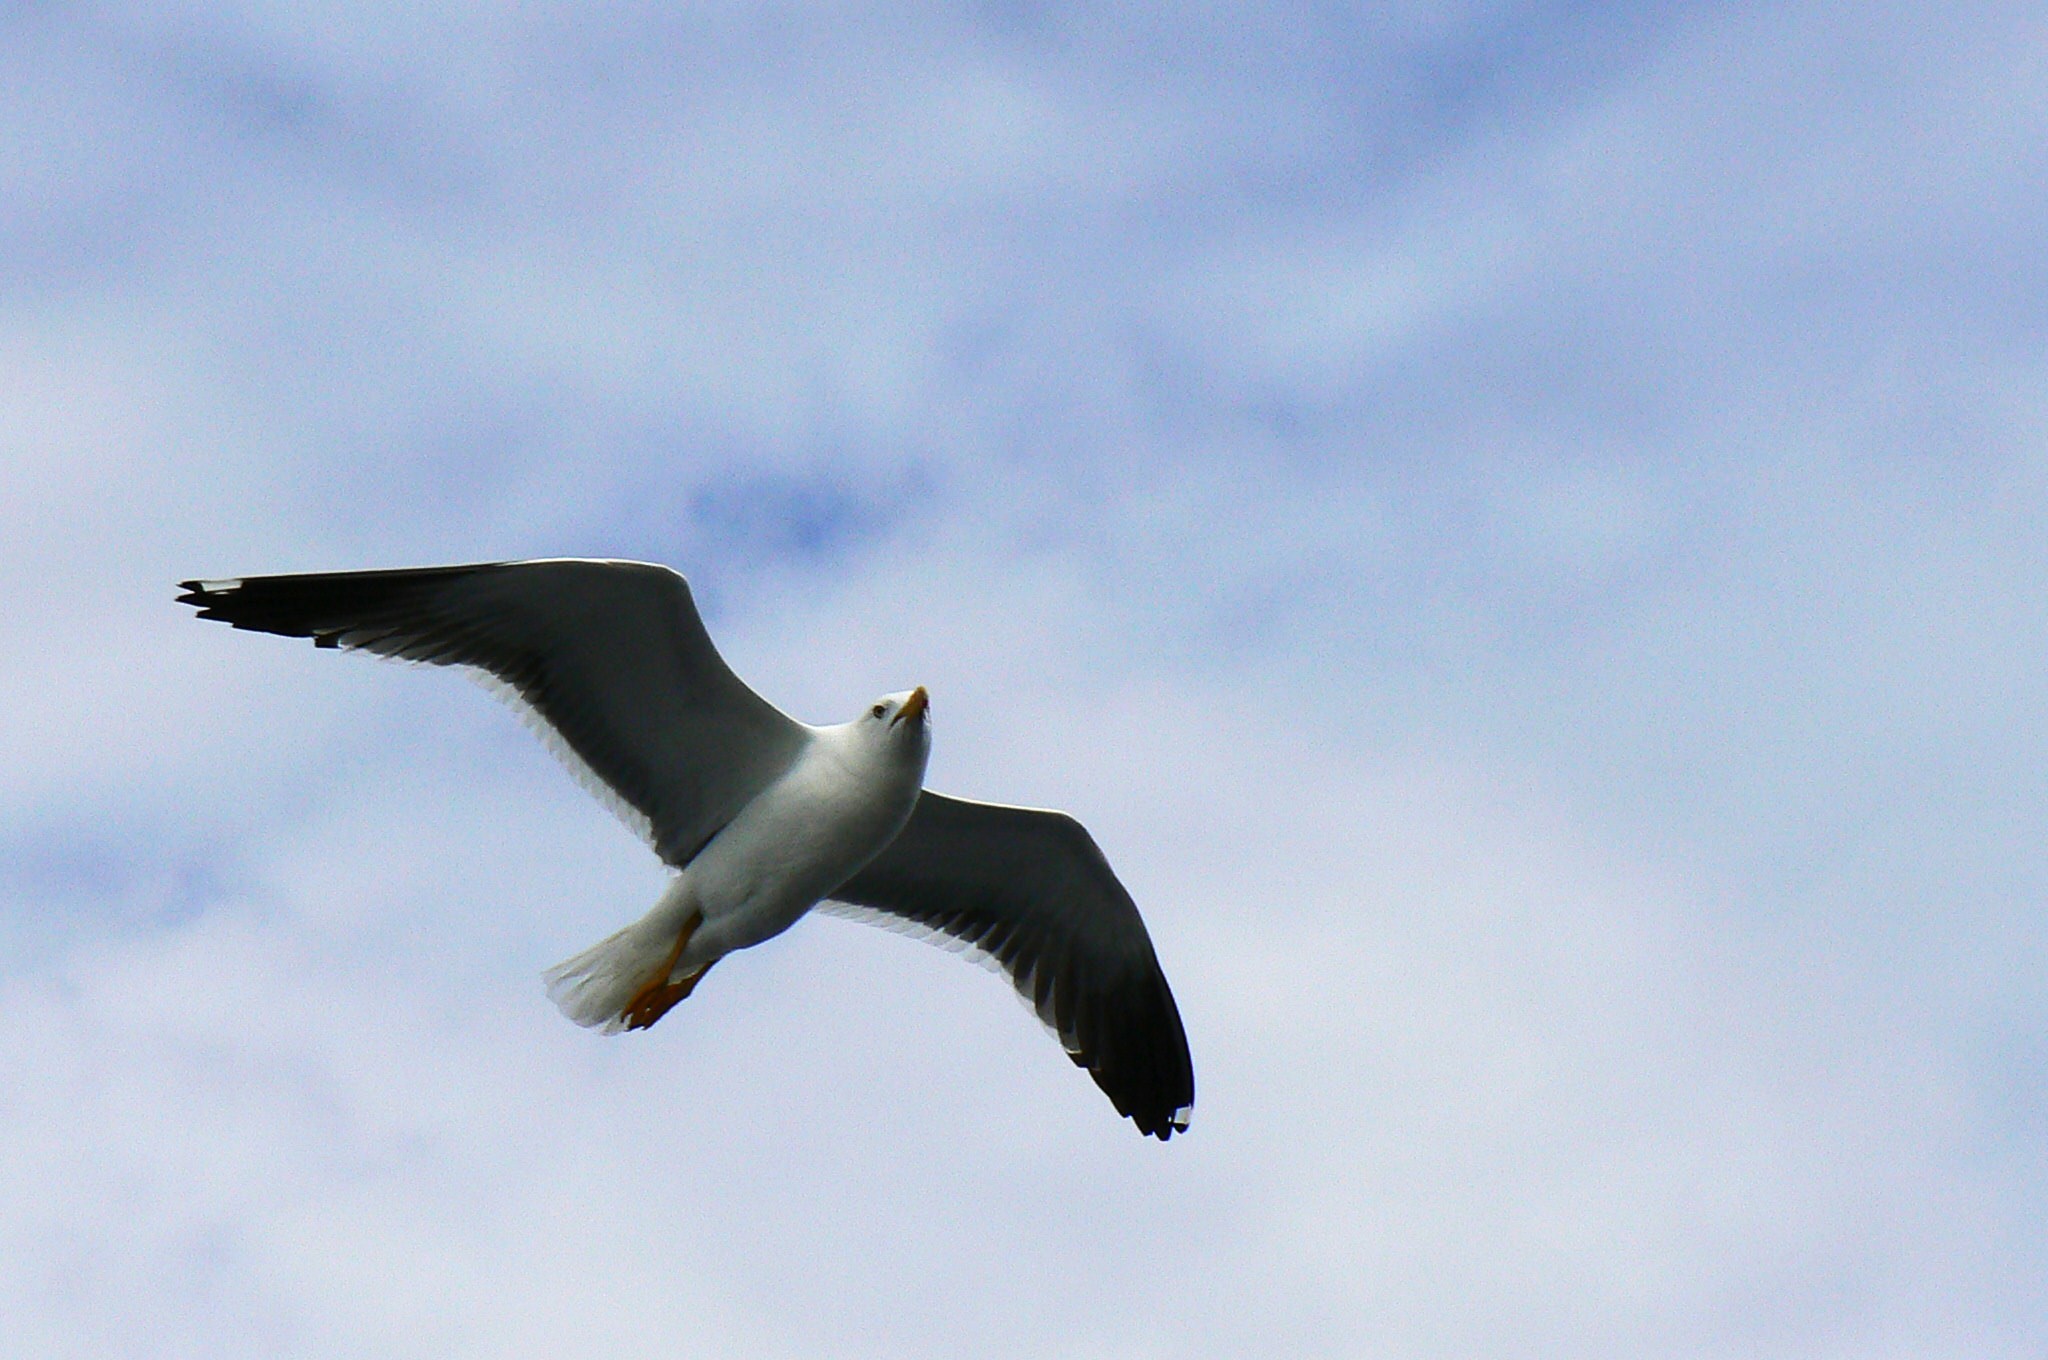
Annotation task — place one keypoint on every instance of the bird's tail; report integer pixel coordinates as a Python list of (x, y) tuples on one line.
[(623, 981)]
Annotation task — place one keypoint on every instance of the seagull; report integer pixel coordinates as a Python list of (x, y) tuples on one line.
[(761, 817)]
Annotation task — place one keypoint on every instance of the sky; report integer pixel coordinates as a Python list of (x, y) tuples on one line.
[(1517, 526)]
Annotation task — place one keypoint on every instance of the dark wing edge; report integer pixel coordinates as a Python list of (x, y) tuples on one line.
[(611, 658), (1031, 891)]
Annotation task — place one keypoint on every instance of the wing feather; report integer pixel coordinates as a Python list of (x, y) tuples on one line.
[(611, 656), (1031, 891)]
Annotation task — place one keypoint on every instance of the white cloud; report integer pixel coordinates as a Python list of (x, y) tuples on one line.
[(1448, 1054), (1531, 594)]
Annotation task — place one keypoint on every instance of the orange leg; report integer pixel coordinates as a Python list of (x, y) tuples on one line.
[(658, 997)]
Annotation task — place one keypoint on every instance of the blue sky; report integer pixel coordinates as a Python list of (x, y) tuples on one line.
[(1518, 527)]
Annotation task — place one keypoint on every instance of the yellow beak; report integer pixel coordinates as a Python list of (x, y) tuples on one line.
[(913, 707)]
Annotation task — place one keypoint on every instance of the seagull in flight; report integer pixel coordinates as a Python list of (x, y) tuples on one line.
[(761, 817)]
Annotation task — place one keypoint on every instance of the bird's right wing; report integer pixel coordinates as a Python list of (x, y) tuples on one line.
[(610, 656), (1030, 890)]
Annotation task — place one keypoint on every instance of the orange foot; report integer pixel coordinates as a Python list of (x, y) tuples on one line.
[(658, 997)]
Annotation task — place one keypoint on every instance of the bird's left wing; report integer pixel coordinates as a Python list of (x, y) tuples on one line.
[(1030, 890), (611, 656)]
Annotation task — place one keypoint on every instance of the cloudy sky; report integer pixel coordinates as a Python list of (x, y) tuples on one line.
[(1520, 527)]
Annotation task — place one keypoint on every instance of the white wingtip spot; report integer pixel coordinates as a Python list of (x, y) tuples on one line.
[(1179, 1118), (220, 587)]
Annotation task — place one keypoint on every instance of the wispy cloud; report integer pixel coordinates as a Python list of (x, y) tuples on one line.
[(1516, 526)]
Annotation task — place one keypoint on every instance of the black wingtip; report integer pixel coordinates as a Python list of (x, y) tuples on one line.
[(197, 594), (202, 590), (211, 598), (1163, 1128)]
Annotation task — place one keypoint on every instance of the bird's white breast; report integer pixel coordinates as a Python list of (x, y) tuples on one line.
[(835, 809)]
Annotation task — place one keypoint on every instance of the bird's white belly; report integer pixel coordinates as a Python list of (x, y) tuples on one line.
[(796, 842)]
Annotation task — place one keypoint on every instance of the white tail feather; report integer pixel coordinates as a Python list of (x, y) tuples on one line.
[(595, 987)]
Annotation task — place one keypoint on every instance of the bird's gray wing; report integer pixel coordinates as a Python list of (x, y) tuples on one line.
[(1031, 891), (611, 656)]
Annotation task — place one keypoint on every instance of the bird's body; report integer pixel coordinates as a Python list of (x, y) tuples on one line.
[(843, 798), (761, 816)]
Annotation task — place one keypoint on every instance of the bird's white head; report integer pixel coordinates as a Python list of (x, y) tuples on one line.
[(901, 722), (903, 715)]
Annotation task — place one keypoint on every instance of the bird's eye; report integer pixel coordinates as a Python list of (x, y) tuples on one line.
[(878, 710)]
